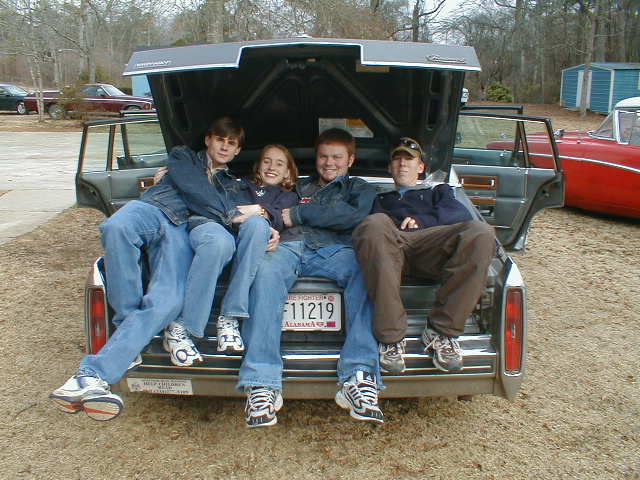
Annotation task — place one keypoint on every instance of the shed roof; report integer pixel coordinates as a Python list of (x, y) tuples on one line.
[(610, 66)]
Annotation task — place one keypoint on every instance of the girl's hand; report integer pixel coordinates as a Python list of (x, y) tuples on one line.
[(273, 241), (250, 210)]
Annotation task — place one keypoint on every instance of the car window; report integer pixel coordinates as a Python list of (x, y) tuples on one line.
[(627, 120), (134, 145), (95, 149), (3, 91), (16, 90), (502, 142), (605, 130), (113, 91)]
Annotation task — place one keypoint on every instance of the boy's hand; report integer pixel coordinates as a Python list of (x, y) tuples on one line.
[(273, 241), (408, 223), (286, 218), (161, 172), (250, 210)]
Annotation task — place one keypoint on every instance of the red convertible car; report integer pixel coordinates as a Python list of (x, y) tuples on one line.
[(601, 167), (91, 97)]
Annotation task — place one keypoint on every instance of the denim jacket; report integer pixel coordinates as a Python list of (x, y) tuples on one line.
[(164, 196), (333, 211), (207, 201)]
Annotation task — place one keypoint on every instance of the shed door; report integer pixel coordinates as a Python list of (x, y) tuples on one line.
[(580, 85)]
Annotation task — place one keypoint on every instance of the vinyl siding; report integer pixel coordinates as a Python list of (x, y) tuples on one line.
[(600, 87), (626, 85), (570, 87)]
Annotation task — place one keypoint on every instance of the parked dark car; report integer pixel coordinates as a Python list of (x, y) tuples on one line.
[(93, 97), (12, 98), (287, 91)]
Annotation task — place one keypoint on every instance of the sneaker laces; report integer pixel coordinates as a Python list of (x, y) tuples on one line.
[(393, 351), (365, 392), (448, 346), (227, 324), (260, 398), (178, 330)]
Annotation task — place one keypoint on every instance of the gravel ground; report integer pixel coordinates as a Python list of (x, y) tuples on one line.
[(576, 416)]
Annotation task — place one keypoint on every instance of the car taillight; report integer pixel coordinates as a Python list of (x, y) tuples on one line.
[(513, 334), (97, 319), (147, 106)]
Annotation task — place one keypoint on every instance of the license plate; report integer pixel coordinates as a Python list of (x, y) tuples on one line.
[(308, 311), (167, 386)]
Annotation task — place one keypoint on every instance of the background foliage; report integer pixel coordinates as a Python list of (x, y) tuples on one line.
[(522, 45)]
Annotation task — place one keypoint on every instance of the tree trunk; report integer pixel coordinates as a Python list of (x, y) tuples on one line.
[(590, 24), (83, 33), (215, 9), (415, 21), (600, 33), (517, 57)]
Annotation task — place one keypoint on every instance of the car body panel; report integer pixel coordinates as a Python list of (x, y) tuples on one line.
[(501, 174), (100, 97), (601, 167), (11, 96)]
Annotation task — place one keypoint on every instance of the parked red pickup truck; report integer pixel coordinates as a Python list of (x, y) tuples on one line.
[(91, 97)]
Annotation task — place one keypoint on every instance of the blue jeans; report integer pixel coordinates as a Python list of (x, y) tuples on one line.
[(262, 364), (251, 245), (139, 315), (214, 247)]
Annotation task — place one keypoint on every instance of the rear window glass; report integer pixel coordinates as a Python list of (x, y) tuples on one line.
[(355, 126)]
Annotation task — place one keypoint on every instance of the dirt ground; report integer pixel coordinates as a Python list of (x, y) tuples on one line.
[(576, 416)]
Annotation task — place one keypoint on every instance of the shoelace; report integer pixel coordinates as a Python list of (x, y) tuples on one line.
[(179, 331), (450, 347), (366, 393), (227, 323), (260, 398), (393, 350)]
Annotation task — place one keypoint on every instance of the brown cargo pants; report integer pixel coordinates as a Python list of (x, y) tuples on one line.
[(458, 255)]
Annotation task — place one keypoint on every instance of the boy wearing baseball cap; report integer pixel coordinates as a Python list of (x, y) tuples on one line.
[(424, 232)]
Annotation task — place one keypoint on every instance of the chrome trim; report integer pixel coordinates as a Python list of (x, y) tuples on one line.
[(236, 64), (602, 162)]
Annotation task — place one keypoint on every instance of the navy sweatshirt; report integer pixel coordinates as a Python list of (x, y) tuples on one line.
[(429, 207), (273, 200)]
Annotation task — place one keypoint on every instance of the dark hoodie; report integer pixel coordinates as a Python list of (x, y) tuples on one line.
[(429, 207)]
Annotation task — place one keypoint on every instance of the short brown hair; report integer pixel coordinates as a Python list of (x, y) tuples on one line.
[(337, 135), (288, 183), (226, 127)]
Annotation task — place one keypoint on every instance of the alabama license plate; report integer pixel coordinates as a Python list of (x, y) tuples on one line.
[(309, 311), (167, 386)]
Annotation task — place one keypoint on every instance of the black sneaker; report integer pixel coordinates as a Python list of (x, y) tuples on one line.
[(391, 356), (447, 355), (359, 395), (262, 405)]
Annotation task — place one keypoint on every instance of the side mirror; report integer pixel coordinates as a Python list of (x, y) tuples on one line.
[(559, 133)]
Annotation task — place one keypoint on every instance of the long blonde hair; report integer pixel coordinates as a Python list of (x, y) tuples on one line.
[(289, 182)]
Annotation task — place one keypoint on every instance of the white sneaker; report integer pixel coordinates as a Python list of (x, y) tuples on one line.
[(229, 339), (262, 405), (89, 394), (179, 344), (359, 395)]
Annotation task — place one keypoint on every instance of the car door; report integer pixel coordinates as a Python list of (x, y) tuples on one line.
[(508, 167), (6, 99), (117, 161)]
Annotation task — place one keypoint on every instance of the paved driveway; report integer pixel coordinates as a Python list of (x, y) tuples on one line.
[(37, 175)]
